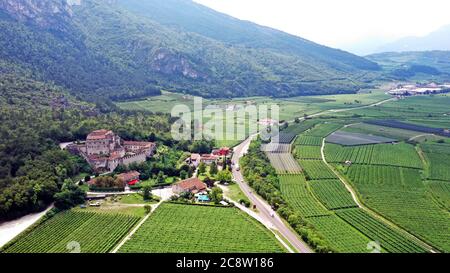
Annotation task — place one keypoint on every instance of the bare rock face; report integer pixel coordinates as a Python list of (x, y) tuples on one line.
[(167, 62), (44, 13)]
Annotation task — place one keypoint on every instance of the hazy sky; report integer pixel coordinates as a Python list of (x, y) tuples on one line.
[(341, 23)]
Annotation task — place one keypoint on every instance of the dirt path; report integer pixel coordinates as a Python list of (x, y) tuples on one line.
[(133, 231), (368, 210), (9, 230)]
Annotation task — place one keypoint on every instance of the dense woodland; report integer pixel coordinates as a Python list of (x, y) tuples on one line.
[(34, 118), (103, 50)]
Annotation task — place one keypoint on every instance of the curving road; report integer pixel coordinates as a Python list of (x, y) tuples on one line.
[(266, 213)]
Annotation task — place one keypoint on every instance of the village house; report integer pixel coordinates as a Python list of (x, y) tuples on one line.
[(195, 159), (192, 185), (208, 159), (129, 178), (104, 150)]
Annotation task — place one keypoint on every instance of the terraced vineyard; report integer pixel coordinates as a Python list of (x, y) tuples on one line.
[(389, 238), (317, 170), (295, 191), (201, 229), (95, 233), (402, 155), (332, 193), (284, 163)]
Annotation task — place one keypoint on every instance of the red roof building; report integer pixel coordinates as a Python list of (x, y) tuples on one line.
[(193, 185), (130, 178)]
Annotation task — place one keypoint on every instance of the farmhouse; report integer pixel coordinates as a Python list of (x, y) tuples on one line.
[(208, 159), (129, 178), (196, 159), (193, 185), (104, 150)]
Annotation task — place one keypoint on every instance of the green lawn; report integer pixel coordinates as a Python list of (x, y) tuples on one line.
[(235, 193)]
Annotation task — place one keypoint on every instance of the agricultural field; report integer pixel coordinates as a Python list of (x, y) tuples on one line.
[(296, 193), (95, 233), (316, 170), (370, 129), (332, 194), (298, 128), (419, 107), (390, 238), (400, 195), (323, 130), (340, 235), (438, 158), (289, 108), (410, 126), (284, 163), (401, 155), (308, 140), (201, 229), (276, 148), (285, 138), (307, 152), (354, 139), (440, 191)]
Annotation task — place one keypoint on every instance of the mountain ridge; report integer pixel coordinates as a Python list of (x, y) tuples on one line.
[(99, 48)]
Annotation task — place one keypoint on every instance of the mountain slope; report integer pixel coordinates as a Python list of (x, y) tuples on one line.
[(189, 16), (432, 65), (98, 48), (437, 40)]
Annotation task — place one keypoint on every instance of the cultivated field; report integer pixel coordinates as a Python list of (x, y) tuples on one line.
[(284, 163), (307, 152), (438, 158), (440, 191), (402, 155), (388, 237), (201, 229), (308, 140), (295, 191), (353, 139), (400, 195), (317, 170), (92, 232), (323, 130), (332, 194), (340, 235)]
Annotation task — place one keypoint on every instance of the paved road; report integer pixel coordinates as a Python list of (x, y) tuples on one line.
[(265, 211)]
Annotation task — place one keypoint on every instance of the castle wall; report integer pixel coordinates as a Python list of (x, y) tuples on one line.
[(137, 158)]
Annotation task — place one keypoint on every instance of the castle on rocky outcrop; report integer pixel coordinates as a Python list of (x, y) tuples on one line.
[(104, 150)]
